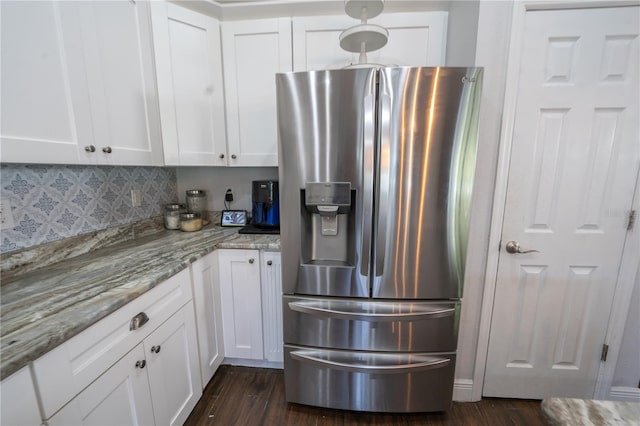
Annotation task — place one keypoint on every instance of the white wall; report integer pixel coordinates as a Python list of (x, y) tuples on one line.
[(462, 30), (494, 26), (216, 181)]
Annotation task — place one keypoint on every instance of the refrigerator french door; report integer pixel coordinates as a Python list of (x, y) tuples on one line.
[(376, 170)]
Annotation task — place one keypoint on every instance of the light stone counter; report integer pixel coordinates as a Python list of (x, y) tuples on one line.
[(572, 411), (42, 308)]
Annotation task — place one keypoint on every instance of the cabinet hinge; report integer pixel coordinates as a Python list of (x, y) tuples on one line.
[(632, 220), (605, 351)]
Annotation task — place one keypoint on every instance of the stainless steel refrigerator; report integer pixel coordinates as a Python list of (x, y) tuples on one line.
[(376, 170)]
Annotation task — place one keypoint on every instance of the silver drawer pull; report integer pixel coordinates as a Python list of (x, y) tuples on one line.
[(138, 321), (324, 309), (404, 365)]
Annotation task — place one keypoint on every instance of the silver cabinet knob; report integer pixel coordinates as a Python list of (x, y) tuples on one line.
[(233, 156), (155, 349), (269, 262), (141, 363), (106, 150), (513, 247), (90, 148), (138, 321), (221, 156), (251, 260)]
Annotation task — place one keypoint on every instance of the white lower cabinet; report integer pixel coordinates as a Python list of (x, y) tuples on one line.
[(241, 303), (119, 397), (206, 296), (158, 382), (18, 403), (271, 305), (251, 293)]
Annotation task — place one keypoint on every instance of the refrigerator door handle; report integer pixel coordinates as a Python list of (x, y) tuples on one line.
[(368, 172), (381, 313), (384, 188), (366, 363)]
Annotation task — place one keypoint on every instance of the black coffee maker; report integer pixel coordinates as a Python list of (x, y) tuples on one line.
[(265, 208)]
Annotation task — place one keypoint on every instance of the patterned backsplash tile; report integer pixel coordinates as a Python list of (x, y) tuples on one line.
[(52, 202)]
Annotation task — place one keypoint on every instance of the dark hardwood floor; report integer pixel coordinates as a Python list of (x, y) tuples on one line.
[(255, 396)]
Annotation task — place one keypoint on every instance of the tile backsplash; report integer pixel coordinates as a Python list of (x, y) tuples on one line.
[(52, 202)]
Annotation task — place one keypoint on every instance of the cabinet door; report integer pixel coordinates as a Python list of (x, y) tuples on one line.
[(18, 403), (118, 55), (253, 52), (174, 374), (190, 86), (44, 103), (119, 397), (271, 305), (206, 298), (415, 39), (241, 303)]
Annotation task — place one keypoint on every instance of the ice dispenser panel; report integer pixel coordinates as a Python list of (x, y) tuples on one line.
[(328, 199), (328, 226)]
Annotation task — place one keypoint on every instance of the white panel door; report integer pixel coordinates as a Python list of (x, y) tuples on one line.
[(119, 397), (174, 371), (190, 86), (18, 402), (574, 164), (241, 303), (271, 286), (119, 66), (415, 39), (206, 298), (253, 52), (44, 107)]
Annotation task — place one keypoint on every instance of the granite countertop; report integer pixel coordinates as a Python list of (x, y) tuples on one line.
[(573, 411), (43, 308)]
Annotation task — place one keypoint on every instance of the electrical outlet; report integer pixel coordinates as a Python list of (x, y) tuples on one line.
[(6, 215), (136, 198), (228, 196)]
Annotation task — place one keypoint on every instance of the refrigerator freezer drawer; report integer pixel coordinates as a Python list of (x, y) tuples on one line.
[(369, 381), (371, 325)]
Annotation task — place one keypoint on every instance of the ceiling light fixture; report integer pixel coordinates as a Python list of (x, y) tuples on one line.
[(363, 37)]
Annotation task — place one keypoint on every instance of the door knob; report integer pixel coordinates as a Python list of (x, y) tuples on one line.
[(514, 247)]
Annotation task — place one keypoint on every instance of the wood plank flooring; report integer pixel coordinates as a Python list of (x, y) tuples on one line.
[(255, 396)]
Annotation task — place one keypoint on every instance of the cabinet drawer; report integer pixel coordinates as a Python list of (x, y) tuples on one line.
[(371, 325), (68, 369)]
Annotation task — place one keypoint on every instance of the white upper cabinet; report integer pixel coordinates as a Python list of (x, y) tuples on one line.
[(253, 52), (119, 67), (44, 111), (78, 83), (190, 86), (415, 39)]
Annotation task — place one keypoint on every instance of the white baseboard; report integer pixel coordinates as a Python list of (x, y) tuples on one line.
[(253, 363), (463, 390), (623, 393)]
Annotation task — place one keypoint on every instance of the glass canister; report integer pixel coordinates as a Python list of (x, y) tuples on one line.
[(190, 222), (196, 201), (172, 214)]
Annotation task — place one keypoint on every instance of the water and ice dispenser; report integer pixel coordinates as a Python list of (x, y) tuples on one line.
[(328, 223)]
